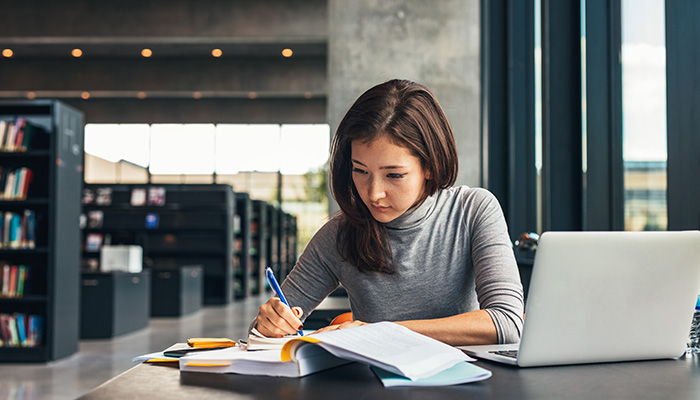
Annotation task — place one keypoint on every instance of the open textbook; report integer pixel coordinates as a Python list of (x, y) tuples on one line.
[(258, 341), (412, 357)]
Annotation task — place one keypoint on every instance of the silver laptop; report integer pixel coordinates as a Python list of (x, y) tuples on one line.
[(606, 296)]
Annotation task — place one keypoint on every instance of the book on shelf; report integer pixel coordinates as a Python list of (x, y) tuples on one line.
[(88, 196), (156, 196), (410, 358), (152, 221), (21, 330), (14, 183), (17, 231), (138, 197), (17, 135), (95, 219), (13, 280), (103, 196), (93, 242)]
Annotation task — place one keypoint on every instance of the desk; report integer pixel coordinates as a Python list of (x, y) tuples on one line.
[(664, 379)]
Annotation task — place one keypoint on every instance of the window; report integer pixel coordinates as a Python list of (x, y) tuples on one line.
[(254, 159), (644, 114)]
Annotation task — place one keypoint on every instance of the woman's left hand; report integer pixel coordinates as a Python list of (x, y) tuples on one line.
[(349, 324)]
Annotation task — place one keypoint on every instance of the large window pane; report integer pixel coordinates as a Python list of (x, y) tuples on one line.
[(644, 114), (305, 148), (116, 142), (242, 147), (182, 149)]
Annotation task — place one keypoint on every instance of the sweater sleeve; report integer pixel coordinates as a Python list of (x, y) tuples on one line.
[(498, 286), (313, 278)]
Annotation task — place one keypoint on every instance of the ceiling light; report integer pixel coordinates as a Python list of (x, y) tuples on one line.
[(31, 95), (76, 53), (7, 53), (146, 53), (85, 95), (216, 53), (141, 95), (197, 95), (287, 52)]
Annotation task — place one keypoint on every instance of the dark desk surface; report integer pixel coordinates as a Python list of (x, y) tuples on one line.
[(665, 379)]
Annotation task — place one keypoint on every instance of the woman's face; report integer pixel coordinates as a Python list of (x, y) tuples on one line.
[(389, 179)]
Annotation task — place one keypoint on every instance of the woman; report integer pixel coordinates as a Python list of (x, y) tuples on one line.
[(406, 246)]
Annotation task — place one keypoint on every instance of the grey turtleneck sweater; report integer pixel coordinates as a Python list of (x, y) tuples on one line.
[(452, 255)]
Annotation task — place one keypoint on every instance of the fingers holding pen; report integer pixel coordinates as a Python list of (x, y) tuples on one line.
[(276, 319)]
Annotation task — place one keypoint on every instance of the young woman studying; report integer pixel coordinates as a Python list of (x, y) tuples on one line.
[(406, 245)]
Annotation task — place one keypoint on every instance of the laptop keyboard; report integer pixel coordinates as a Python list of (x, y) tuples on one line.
[(506, 353)]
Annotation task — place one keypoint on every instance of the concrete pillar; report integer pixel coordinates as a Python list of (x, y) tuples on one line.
[(435, 43)]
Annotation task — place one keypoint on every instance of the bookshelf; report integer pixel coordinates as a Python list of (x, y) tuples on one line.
[(272, 238), (258, 224), (176, 225), (288, 244), (242, 260), (44, 235)]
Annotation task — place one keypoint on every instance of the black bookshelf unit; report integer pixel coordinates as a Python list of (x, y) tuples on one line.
[(242, 260), (272, 237), (176, 225), (288, 244), (258, 249), (44, 239)]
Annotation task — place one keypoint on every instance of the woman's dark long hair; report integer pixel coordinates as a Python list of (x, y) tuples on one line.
[(410, 116)]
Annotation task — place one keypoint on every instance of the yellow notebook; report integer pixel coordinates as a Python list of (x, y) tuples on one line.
[(210, 342)]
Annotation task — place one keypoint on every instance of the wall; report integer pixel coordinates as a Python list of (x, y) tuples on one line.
[(435, 43)]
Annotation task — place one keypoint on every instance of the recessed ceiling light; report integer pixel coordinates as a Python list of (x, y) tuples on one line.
[(287, 52), (141, 95), (146, 53), (252, 95), (7, 53), (85, 95), (216, 52), (197, 95), (76, 53), (31, 95)]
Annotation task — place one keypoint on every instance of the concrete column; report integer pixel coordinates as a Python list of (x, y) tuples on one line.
[(435, 43)]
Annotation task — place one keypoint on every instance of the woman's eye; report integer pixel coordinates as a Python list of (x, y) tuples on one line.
[(359, 171), (396, 176)]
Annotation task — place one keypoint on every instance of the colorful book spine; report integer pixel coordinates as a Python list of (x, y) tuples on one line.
[(13, 280), (21, 330)]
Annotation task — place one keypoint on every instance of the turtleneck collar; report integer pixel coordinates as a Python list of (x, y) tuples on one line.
[(414, 215)]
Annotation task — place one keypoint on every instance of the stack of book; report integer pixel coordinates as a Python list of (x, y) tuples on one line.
[(17, 230), (16, 136), (13, 279), (14, 183), (21, 330)]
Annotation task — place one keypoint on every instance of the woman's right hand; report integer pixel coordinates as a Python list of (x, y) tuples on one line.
[(275, 319)]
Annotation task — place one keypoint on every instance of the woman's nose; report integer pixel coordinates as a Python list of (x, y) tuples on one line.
[(376, 190)]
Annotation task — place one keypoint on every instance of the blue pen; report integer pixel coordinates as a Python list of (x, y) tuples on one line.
[(276, 287)]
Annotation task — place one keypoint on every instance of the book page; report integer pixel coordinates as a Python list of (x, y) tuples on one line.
[(392, 347)]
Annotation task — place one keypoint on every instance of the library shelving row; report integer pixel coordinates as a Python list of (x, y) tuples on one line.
[(178, 225), (41, 159)]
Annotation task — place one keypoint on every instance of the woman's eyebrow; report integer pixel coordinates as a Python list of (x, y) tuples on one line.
[(384, 167)]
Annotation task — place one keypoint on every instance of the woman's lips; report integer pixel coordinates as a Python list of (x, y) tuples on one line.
[(379, 208)]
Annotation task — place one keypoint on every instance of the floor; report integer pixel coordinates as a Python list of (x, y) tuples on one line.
[(97, 361)]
